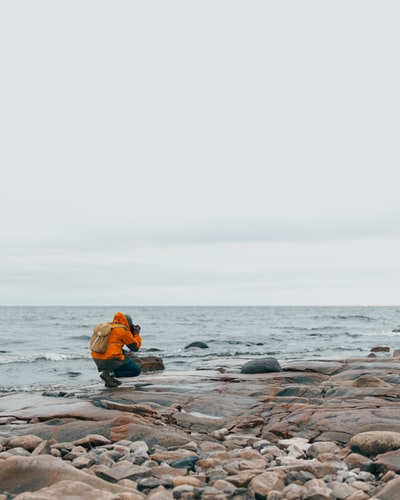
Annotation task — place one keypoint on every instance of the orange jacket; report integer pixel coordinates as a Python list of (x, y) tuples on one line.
[(118, 338)]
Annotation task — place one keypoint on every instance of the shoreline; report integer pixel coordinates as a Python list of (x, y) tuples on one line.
[(308, 402)]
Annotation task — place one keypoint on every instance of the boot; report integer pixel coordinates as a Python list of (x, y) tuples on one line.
[(108, 379), (117, 381)]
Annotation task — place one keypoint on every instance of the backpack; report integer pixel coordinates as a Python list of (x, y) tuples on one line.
[(99, 339)]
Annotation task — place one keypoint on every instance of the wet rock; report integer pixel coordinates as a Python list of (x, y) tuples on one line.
[(263, 365), (200, 345), (380, 349)]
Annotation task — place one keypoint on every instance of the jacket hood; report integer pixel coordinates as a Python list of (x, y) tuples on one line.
[(120, 318)]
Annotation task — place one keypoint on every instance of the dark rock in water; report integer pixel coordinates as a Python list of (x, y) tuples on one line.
[(380, 349), (263, 365), (147, 363), (201, 345)]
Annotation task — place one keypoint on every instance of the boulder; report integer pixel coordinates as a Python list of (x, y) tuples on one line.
[(375, 442), (262, 365), (147, 363)]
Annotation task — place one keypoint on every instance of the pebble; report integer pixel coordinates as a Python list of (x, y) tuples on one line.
[(216, 472)]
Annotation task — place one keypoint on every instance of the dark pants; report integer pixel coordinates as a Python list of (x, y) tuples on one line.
[(126, 368)]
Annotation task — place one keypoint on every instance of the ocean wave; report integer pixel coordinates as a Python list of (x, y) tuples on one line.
[(206, 353), (34, 357), (358, 317), (294, 329), (352, 335)]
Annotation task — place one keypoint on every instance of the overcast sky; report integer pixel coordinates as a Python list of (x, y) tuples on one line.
[(199, 152)]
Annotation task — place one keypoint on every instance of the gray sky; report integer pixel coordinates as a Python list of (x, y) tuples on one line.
[(209, 152)]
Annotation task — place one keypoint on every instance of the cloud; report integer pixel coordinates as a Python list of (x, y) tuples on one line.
[(199, 152)]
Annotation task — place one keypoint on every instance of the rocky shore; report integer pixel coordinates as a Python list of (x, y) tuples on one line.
[(309, 430)]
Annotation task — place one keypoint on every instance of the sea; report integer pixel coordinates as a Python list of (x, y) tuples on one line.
[(46, 348)]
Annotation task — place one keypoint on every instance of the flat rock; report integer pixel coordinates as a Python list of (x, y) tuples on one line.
[(324, 367), (50, 409)]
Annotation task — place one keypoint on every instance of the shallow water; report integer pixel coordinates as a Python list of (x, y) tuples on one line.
[(47, 347)]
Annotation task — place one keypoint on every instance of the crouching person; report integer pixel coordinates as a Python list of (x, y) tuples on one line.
[(113, 363)]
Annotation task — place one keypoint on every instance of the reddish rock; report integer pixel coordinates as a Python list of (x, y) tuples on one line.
[(147, 363), (75, 489), (19, 474)]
